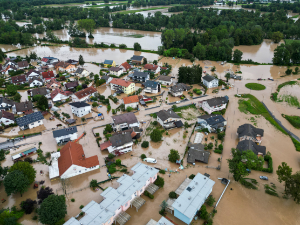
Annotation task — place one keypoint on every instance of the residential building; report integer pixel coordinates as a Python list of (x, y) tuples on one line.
[(81, 72), (125, 121), (39, 91), (197, 153), (47, 76), (137, 59), (34, 82), (117, 71), (168, 119), (107, 79), (246, 145), (17, 80), (59, 95), (165, 80), (53, 84), (22, 107), (152, 68), (6, 118), (64, 66), (122, 86), (178, 89), (135, 132), (23, 65), (73, 62), (116, 201), (152, 86), (125, 67), (80, 109), (212, 122), (192, 198), (30, 121), (33, 74), (84, 94), (210, 81), (9, 68), (108, 63), (70, 161), (5, 103), (162, 221), (214, 104), (65, 135), (49, 60), (140, 76), (118, 144), (249, 132), (71, 85), (131, 101)]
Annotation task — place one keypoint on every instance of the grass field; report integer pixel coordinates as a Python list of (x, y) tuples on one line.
[(291, 100), (141, 10), (255, 86), (296, 16), (289, 41), (294, 120)]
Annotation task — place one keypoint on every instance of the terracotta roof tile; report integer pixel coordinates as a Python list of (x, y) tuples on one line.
[(53, 81), (126, 65), (120, 82), (105, 145), (47, 75), (131, 99), (150, 67), (87, 91), (58, 91)]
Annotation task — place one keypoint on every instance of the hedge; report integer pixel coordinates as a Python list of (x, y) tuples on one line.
[(146, 193)]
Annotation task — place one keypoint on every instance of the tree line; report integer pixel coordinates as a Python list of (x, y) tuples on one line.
[(287, 54), (274, 6)]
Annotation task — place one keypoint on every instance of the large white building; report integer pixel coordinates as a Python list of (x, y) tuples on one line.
[(214, 104), (65, 135), (80, 109), (210, 81), (30, 121)]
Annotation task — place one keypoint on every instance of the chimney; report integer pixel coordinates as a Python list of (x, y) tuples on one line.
[(83, 156)]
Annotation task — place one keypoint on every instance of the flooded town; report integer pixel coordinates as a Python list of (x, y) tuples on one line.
[(156, 132)]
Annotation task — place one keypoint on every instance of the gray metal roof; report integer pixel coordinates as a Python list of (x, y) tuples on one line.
[(79, 104), (166, 114), (137, 58), (197, 153), (250, 145), (120, 139), (151, 84), (63, 132), (165, 78), (180, 87), (193, 197), (140, 74), (128, 118), (249, 130), (209, 78), (30, 118), (217, 101), (212, 119)]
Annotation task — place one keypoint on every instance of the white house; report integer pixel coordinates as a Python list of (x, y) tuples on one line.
[(125, 67), (210, 81), (81, 72), (115, 71), (165, 80), (23, 65), (6, 118), (152, 86), (212, 122), (131, 101), (5, 103), (49, 60), (35, 82), (125, 121), (80, 109), (178, 89), (71, 161), (168, 119), (84, 94), (65, 135), (152, 68), (59, 95), (118, 144), (30, 121), (33, 74), (214, 104)]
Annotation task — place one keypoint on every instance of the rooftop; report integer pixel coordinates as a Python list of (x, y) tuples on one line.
[(116, 69), (166, 114), (212, 119), (39, 91), (165, 78), (71, 84), (128, 118), (120, 139), (151, 84), (197, 153), (209, 78), (250, 145), (109, 62), (47, 75), (120, 82), (217, 101), (63, 132), (87, 91), (249, 130), (131, 99), (137, 58), (140, 74), (30, 118), (150, 67), (180, 87), (79, 104)]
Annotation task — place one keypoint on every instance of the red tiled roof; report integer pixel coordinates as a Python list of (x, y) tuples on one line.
[(133, 134), (163, 68), (131, 99), (126, 65), (45, 59), (58, 91), (53, 81), (85, 92), (105, 145), (48, 74), (150, 67), (72, 154), (120, 82)]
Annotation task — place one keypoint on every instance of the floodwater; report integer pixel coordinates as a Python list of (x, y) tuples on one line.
[(6, 48)]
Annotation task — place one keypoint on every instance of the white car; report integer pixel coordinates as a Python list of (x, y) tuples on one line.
[(150, 160), (177, 101)]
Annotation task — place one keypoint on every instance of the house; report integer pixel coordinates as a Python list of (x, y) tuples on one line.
[(53, 84), (212, 122), (22, 107), (116, 201), (23, 153), (125, 121), (30, 121), (6, 104), (168, 119), (107, 79), (39, 91), (122, 86), (108, 63), (214, 104), (23, 65), (192, 198), (64, 66), (131, 101), (117, 71), (65, 135), (71, 85), (47, 76), (81, 72), (118, 144), (10, 63), (125, 67), (6, 118), (135, 132), (140, 76), (165, 80), (210, 81), (70, 161), (137, 59), (73, 62), (49, 60), (249, 132), (152, 86), (178, 89), (80, 109), (84, 94), (59, 95), (163, 221), (246, 145), (17, 80), (34, 82), (33, 74), (152, 68), (9, 68), (197, 153)]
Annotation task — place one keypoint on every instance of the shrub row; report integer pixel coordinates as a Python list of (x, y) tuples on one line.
[(146, 193)]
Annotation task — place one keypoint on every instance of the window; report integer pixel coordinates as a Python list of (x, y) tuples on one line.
[(126, 204), (141, 190)]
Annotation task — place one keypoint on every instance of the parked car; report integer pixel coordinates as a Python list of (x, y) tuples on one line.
[(263, 178), (248, 170), (177, 101), (259, 79), (150, 160)]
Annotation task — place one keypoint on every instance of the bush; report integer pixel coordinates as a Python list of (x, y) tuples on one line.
[(220, 147), (122, 46), (145, 144), (73, 200), (160, 182), (112, 168), (124, 170), (255, 86), (221, 136), (155, 123), (202, 213), (95, 104), (247, 184), (111, 156), (162, 171), (146, 193), (173, 156), (129, 109), (156, 135), (118, 162), (172, 194), (81, 207), (192, 176), (93, 184), (218, 151), (210, 146), (143, 156), (210, 200), (97, 134)]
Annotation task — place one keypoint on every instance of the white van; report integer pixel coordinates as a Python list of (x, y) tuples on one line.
[(150, 160)]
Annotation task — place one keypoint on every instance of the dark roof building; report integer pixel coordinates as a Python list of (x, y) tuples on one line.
[(39, 91), (120, 139), (115, 69), (7, 115), (64, 132), (79, 104), (30, 118), (217, 101), (250, 131), (137, 58), (151, 84), (166, 114), (213, 121), (250, 145), (71, 61), (71, 85), (23, 64), (109, 62), (6, 103), (24, 107), (35, 79), (180, 87), (128, 118), (19, 79), (197, 153), (140, 76), (165, 78), (79, 70), (208, 78)]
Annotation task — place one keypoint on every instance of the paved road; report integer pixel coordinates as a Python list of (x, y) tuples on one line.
[(8, 144)]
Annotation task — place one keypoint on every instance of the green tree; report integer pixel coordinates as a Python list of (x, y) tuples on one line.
[(160, 182), (143, 156), (15, 182), (118, 162), (145, 61), (173, 156), (199, 51), (81, 61), (129, 109), (93, 184), (284, 172), (11, 89), (156, 135), (227, 75), (42, 103), (277, 36), (88, 25), (236, 167), (95, 104), (26, 169), (237, 56), (17, 97), (293, 187), (145, 144), (137, 47), (167, 38), (52, 209), (210, 200), (172, 194), (282, 55)]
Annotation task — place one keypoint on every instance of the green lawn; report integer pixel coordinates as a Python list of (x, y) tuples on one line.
[(291, 100), (294, 120), (285, 84), (255, 86), (289, 41)]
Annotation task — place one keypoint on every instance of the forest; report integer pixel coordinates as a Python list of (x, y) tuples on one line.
[(287, 54), (274, 6)]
